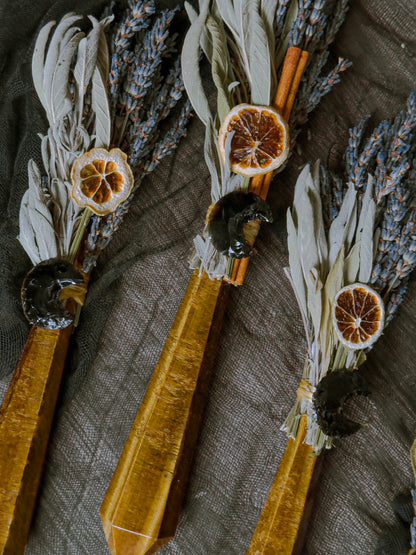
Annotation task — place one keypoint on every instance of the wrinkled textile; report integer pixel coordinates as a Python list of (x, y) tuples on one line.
[(136, 290)]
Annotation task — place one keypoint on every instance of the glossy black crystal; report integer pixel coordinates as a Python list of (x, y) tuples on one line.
[(41, 289), (228, 219)]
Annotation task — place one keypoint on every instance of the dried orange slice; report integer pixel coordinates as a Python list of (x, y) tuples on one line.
[(261, 139), (358, 316), (101, 180)]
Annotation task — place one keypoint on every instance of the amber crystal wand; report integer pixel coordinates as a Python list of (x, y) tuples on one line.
[(142, 504)]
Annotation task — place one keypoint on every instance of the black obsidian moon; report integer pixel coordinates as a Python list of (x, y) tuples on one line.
[(328, 400), (41, 289), (228, 218)]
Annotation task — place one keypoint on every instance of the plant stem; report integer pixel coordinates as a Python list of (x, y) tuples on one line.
[(79, 234), (229, 269), (339, 356)]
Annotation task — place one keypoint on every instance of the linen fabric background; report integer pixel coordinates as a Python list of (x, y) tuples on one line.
[(136, 290)]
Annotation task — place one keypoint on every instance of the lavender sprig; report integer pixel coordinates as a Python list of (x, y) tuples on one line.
[(135, 19), (314, 30), (103, 229), (298, 31), (336, 21), (388, 154), (280, 18), (316, 25), (146, 87), (147, 60), (168, 143), (312, 90)]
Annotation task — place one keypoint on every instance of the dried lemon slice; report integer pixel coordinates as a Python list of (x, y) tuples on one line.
[(101, 180), (358, 316), (261, 139)]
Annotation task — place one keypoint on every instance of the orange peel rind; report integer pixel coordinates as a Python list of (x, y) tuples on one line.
[(101, 180), (261, 139), (358, 316)]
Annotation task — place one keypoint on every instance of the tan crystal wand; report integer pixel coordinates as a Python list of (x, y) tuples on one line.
[(142, 504), (26, 416)]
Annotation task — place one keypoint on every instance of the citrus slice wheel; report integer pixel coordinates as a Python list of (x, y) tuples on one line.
[(101, 180), (260, 142), (358, 316)]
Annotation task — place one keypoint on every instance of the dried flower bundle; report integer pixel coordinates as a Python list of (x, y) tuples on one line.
[(142, 504), (360, 228), (92, 103), (245, 43), (131, 96)]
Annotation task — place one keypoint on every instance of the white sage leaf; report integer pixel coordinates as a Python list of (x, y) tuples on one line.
[(59, 99), (40, 216), (99, 98), (351, 229), (26, 235), (315, 198), (365, 232), (233, 85), (295, 264), (352, 264), (38, 61), (351, 358), (36, 230), (96, 53), (81, 70), (220, 66), (241, 34), (190, 65), (228, 14), (59, 39), (45, 152), (303, 210), (225, 168), (304, 319), (258, 52), (268, 13), (333, 284), (341, 226), (314, 292), (205, 41), (212, 162)]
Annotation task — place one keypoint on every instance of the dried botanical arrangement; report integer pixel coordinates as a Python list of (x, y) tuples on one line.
[(352, 247), (267, 63), (114, 113), (96, 98), (350, 259), (246, 45)]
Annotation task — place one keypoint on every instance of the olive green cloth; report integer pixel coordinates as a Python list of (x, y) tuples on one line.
[(135, 292)]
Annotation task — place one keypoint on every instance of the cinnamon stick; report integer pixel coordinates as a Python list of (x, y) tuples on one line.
[(290, 66), (293, 67), (295, 85)]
